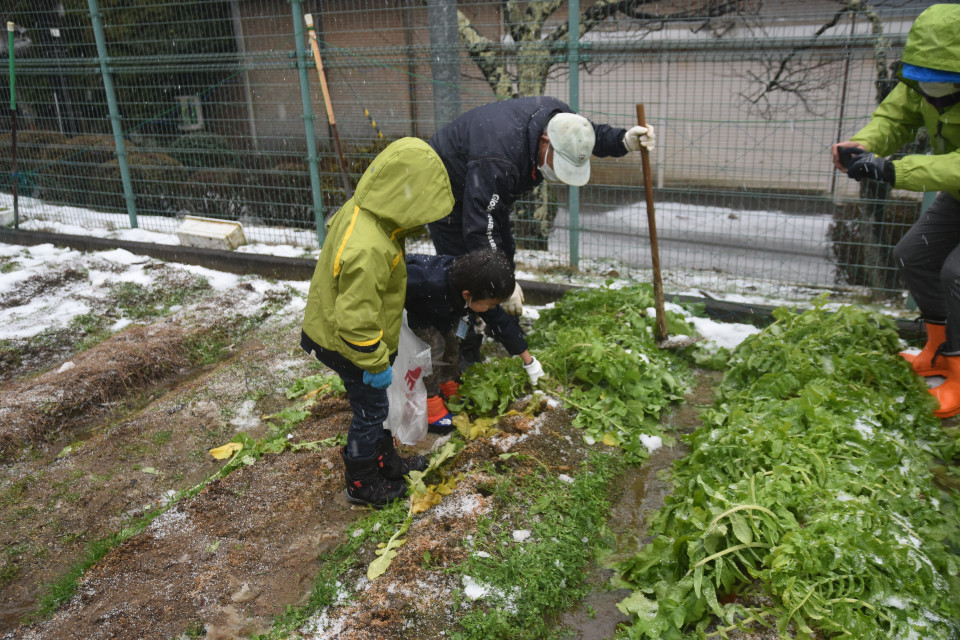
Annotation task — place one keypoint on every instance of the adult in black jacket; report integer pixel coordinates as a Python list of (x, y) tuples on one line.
[(499, 151)]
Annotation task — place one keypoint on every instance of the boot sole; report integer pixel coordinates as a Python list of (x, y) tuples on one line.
[(941, 412), (375, 505), (926, 373), (440, 430), (946, 414)]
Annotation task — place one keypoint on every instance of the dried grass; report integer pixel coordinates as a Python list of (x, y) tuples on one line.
[(61, 400)]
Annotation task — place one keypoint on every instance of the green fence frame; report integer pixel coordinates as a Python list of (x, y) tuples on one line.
[(200, 98)]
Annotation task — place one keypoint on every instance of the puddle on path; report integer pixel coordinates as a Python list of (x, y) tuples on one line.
[(643, 491), (597, 617)]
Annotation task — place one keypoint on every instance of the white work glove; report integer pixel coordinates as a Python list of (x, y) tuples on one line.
[(638, 136), (534, 370), (514, 304)]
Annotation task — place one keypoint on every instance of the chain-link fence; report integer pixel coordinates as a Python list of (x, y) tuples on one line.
[(136, 113)]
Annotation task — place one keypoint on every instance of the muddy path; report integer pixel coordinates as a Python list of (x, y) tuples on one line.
[(636, 495), (234, 556)]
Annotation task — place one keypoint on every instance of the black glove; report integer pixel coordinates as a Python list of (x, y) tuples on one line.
[(847, 154), (870, 165)]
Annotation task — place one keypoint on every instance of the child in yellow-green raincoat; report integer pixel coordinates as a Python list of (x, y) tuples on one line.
[(355, 305)]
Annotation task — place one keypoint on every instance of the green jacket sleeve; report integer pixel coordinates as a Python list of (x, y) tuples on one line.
[(928, 173), (894, 123), (358, 311)]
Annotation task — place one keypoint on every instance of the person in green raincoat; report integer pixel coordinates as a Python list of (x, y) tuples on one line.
[(928, 256), (355, 304)]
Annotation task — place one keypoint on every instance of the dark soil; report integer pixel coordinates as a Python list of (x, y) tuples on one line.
[(83, 392), (92, 446)]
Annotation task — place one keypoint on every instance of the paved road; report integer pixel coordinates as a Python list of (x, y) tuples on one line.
[(785, 248)]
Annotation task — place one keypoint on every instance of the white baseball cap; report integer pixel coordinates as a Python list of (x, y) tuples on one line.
[(572, 139)]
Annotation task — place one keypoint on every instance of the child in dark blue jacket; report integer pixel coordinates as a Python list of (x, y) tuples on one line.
[(441, 291)]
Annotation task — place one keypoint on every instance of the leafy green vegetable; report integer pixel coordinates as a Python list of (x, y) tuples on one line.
[(810, 476), (313, 385), (491, 385), (599, 344)]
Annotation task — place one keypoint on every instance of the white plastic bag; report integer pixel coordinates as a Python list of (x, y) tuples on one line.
[(407, 417)]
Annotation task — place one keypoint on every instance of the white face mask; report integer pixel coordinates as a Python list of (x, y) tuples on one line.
[(547, 172), (939, 89)]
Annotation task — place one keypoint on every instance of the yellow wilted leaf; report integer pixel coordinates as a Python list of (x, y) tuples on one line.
[(383, 547), (485, 423), (379, 566), (424, 501), (610, 439), (462, 422), (481, 427), (475, 429), (446, 487), (227, 450)]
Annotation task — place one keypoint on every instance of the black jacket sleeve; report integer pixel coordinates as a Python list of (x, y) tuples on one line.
[(505, 330), (609, 142), (426, 301)]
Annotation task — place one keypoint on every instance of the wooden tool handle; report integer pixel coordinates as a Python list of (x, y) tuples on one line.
[(661, 332)]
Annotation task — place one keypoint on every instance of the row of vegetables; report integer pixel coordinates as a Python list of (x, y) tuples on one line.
[(815, 499)]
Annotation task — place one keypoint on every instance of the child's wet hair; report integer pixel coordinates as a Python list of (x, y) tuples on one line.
[(485, 273)]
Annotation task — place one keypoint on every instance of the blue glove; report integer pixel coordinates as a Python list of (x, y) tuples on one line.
[(379, 380), (870, 165)]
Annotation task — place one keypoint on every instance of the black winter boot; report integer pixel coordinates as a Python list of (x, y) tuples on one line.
[(392, 466), (366, 486)]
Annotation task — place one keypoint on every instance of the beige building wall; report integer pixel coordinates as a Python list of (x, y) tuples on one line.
[(698, 98)]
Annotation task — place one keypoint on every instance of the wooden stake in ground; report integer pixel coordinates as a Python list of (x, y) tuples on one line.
[(663, 341), (308, 19), (661, 331)]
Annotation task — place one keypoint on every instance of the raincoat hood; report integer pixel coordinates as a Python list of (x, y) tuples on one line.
[(406, 186), (934, 40), (355, 302)]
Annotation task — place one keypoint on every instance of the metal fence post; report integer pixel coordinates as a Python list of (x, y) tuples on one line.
[(573, 56), (114, 112), (14, 178), (312, 163), (444, 61)]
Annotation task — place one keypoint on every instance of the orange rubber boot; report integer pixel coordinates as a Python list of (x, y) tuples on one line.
[(439, 418), (927, 363), (948, 394), (449, 388)]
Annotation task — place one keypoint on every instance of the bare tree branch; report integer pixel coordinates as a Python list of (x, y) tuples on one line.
[(525, 20), (485, 54), (775, 82), (796, 75), (599, 11)]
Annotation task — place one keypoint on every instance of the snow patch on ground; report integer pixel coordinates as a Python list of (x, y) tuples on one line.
[(652, 443), (246, 418), (172, 522)]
